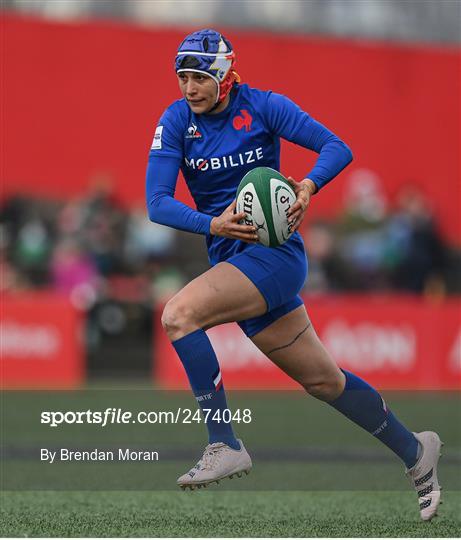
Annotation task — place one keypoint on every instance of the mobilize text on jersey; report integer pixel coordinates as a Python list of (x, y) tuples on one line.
[(235, 160)]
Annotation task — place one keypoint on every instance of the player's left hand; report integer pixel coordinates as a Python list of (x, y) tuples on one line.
[(303, 191)]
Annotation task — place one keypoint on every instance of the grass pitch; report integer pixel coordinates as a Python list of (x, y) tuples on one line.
[(224, 514), (315, 474)]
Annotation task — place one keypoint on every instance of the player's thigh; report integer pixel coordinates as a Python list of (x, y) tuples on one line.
[(222, 294), (293, 345)]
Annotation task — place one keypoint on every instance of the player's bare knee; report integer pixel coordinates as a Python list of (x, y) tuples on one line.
[(178, 319), (325, 388)]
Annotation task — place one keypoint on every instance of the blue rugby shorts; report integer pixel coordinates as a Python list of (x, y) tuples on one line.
[(279, 274)]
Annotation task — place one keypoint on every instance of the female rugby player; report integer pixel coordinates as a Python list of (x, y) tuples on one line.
[(219, 131)]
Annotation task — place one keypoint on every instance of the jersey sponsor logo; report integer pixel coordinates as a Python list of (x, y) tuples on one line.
[(225, 162), (193, 132), (157, 142), (243, 121)]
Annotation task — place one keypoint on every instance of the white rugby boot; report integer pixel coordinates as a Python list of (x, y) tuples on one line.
[(424, 474), (218, 461)]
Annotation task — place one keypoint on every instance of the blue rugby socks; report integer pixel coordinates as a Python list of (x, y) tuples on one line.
[(363, 405), (202, 368), (359, 402)]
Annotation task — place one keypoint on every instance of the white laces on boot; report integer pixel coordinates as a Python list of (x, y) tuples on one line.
[(218, 461), (212, 455)]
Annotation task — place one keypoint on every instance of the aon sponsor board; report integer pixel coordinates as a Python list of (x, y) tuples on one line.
[(265, 196)]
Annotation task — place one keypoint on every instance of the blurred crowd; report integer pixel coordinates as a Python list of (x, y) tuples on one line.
[(89, 248), (371, 247), (94, 248)]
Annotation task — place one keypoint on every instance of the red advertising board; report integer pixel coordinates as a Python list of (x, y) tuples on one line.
[(395, 343), (41, 342)]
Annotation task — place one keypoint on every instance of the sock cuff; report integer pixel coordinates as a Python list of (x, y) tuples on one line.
[(188, 338), (355, 383)]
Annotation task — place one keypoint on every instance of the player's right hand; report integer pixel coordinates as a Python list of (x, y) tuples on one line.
[(227, 225)]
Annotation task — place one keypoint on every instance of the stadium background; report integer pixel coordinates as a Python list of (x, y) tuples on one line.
[(85, 275)]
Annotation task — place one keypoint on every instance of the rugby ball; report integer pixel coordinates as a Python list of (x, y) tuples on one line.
[(265, 196)]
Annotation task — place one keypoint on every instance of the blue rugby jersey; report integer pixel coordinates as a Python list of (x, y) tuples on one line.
[(215, 151)]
